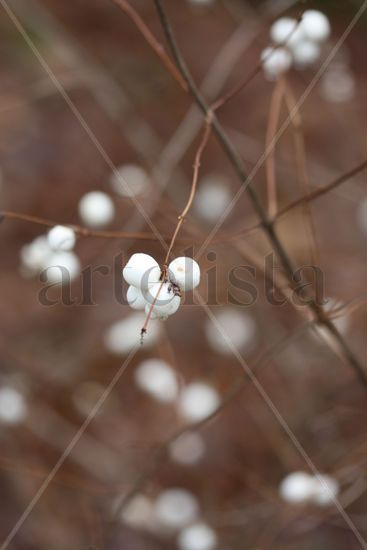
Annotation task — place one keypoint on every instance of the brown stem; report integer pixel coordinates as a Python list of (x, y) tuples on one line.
[(152, 41)]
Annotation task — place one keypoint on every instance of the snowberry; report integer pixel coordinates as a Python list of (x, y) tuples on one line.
[(286, 31), (184, 272), (236, 329), (158, 379), (121, 337), (198, 536), (12, 406), (141, 271), (175, 508), (34, 256), (139, 512), (135, 298), (305, 53), (166, 304), (187, 449), (275, 62), (129, 180), (198, 401), (338, 85), (61, 237), (96, 209), (297, 487), (212, 198), (62, 267), (315, 25), (324, 490)]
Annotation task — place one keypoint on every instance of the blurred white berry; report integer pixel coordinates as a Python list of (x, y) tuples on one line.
[(305, 53), (141, 271), (62, 267), (198, 401), (212, 198), (276, 61), (34, 256), (61, 237), (167, 302), (175, 508), (129, 180), (315, 25), (286, 31), (187, 449), (156, 377), (121, 337), (185, 272), (139, 512), (324, 490), (198, 536), (338, 85), (297, 487), (135, 298), (12, 406), (236, 329), (96, 209)]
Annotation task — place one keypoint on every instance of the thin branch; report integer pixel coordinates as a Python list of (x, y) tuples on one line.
[(152, 41), (82, 231), (267, 225), (181, 218), (274, 115)]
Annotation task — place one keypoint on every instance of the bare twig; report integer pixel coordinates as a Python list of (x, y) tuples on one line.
[(152, 41)]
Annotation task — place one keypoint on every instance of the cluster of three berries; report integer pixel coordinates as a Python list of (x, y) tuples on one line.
[(148, 289)]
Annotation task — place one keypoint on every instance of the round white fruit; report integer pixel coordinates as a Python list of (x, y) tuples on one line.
[(157, 378), (315, 25), (163, 299), (61, 237), (62, 267), (198, 536), (286, 31), (305, 53), (184, 272), (96, 209), (135, 298), (175, 508), (297, 487), (129, 180), (198, 401), (276, 61), (141, 271)]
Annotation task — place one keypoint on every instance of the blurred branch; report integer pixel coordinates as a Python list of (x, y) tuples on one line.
[(152, 41), (82, 231)]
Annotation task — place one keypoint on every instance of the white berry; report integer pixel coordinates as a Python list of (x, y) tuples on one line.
[(234, 329), (96, 209), (198, 401), (276, 61), (175, 508), (184, 272), (129, 180), (141, 271), (187, 449), (198, 536), (315, 25), (286, 31), (12, 406), (297, 487), (135, 298), (62, 267), (61, 237), (166, 304), (121, 337), (305, 53), (156, 377), (324, 490), (35, 255)]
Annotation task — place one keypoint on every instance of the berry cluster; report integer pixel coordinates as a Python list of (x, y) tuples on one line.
[(156, 290), (296, 43)]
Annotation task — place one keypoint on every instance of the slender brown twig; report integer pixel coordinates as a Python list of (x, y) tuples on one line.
[(152, 41), (181, 218)]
